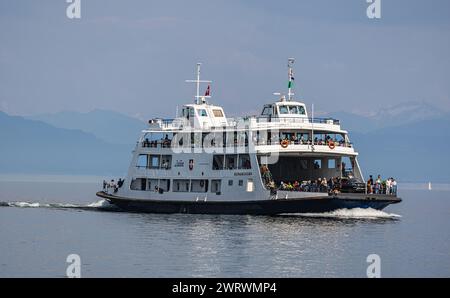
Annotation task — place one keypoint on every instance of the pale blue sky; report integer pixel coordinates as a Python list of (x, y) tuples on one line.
[(133, 56)]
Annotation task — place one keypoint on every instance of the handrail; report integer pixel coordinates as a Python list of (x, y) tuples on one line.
[(177, 122)]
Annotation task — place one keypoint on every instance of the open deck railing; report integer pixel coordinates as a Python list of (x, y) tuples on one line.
[(234, 121)]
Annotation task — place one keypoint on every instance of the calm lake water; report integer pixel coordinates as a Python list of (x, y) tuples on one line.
[(43, 219)]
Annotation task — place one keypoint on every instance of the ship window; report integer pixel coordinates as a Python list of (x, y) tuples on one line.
[(166, 162), (199, 185), (332, 163), (138, 184), (284, 110), (202, 113), (301, 110), (152, 184), (241, 182), (216, 186), (181, 185), (244, 161), (142, 161), (231, 161), (230, 182), (154, 162), (250, 185), (217, 113), (267, 111), (303, 164), (164, 184), (317, 164), (218, 162), (293, 110)]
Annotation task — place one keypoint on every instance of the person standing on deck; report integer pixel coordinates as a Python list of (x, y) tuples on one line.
[(388, 186), (378, 185)]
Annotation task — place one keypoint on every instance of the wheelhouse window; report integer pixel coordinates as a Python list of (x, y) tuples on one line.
[(217, 113), (267, 111), (293, 110), (301, 110), (284, 110), (202, 113)]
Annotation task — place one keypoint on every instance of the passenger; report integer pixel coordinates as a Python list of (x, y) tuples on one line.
[(388, 186), (104, 185), (394, 186), (378, 185), (369, 186)]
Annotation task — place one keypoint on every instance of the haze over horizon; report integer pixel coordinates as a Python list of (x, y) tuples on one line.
[(134, 58)]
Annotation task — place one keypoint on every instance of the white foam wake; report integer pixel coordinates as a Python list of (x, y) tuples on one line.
[(101, 204), (357, 213)]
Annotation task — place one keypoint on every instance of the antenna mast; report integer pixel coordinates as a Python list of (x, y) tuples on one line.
[(291, 78), (198, 81)]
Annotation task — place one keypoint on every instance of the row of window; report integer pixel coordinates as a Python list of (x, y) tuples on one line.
[(185, 185), (220, 161), (154, 161), (231, 162)]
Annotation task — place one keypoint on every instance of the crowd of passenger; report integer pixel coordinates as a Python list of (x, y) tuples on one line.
[(302, 140), (112, 186), (380, 186), (164, 142), (332, 185)]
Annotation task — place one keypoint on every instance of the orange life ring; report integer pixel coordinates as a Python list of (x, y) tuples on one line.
[(284, 143), (331, 145)]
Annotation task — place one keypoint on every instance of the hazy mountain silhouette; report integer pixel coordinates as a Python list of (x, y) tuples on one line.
[(30, 146), (109, 126)]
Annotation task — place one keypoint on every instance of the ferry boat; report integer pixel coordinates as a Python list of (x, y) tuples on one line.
[(281, 161)]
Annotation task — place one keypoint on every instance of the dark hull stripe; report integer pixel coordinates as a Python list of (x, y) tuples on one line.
[(261, 207)]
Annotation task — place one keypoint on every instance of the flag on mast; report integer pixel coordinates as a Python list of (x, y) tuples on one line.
[(291, 78), (208, 90)]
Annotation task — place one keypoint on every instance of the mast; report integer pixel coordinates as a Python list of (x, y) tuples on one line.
[(198, 81), (290, 77), (312, 127)]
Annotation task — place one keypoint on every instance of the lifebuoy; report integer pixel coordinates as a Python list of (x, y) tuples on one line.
[(331, 145), (284, 143)]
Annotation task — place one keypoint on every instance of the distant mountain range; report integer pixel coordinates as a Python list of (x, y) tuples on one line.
[(409, 147), (109, 126), (30, 146), (396, 115)]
